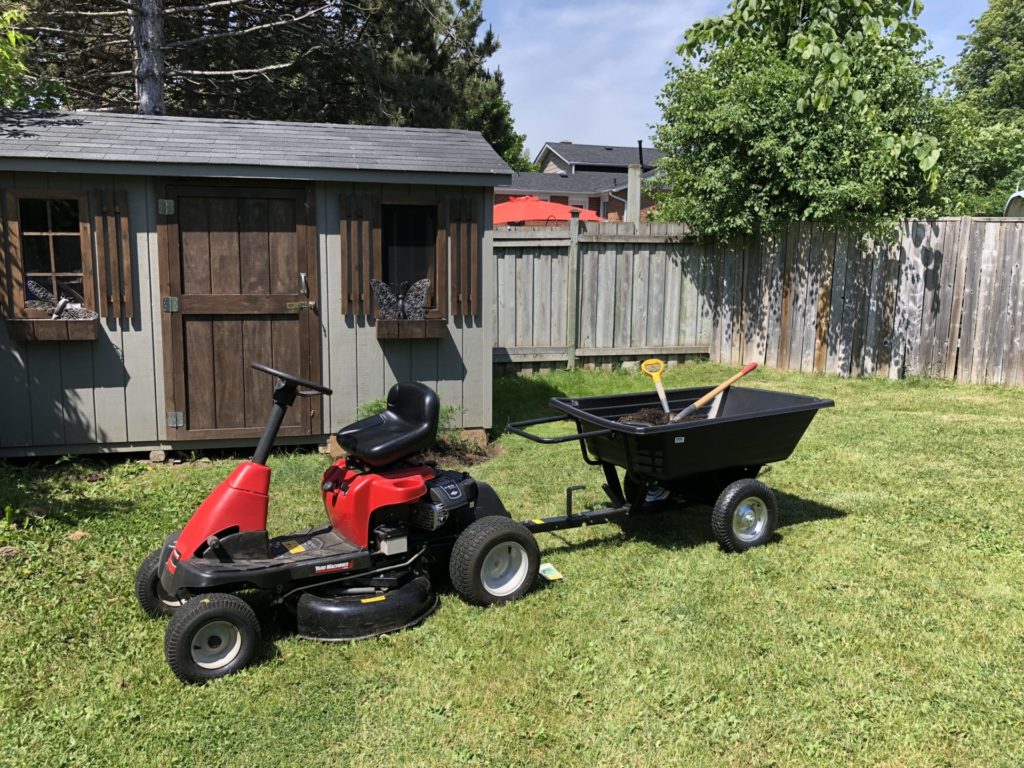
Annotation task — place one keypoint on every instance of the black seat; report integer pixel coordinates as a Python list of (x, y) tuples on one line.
[(409, 425)]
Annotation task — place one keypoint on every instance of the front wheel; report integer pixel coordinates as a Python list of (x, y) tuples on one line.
[(211, 636), (155, 601), (744, 516), (495, 560)]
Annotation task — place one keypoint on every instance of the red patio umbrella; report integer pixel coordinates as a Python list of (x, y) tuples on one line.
[(531, 209)]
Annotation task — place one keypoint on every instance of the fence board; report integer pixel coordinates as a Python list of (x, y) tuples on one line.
[(946, 300)]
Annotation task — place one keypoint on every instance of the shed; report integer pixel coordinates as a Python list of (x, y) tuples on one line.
[(204, 245)]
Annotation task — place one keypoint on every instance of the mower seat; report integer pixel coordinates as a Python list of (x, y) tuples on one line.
[(409, 425)]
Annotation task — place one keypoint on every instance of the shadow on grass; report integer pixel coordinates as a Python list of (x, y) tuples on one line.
[(675, 527), (520, 397)]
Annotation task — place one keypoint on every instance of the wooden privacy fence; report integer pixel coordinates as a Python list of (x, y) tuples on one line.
[(639, 291), (946, 298)]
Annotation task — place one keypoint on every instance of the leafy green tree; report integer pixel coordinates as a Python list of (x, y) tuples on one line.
[(377, 62), (990, 73), (983, 120), (787, 110), (18, 88)]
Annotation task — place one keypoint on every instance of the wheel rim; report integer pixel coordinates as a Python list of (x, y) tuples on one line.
[(504, 568), (750, 519), (216, 644)]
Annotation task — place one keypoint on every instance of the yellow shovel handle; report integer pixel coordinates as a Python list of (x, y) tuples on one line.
[(653, 368)]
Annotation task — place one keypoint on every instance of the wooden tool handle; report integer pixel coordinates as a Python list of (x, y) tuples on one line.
[(690, 409)]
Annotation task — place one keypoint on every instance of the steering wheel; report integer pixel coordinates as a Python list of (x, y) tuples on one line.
[(290, 379)]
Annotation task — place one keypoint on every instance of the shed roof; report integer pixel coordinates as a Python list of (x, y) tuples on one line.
[(250, 147), (600, 154)]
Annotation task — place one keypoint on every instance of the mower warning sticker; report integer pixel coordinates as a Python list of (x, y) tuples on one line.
[(294, 547), (333, 567)]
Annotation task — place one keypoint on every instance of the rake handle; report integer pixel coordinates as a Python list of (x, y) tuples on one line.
[(694, 407)]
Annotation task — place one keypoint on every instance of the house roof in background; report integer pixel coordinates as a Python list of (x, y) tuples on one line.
[(582, 182), (256, 145), (599, 154)]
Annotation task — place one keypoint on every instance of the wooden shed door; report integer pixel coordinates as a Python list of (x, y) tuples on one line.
[(237, 262)]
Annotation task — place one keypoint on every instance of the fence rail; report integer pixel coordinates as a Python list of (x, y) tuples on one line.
[(945, 299)]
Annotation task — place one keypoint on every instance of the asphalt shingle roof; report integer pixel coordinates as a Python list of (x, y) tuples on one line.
[(600, 154), (112, 137), (582, 182)]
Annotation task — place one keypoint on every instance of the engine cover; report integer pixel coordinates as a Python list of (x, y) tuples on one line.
[(351, 497), (447, 493)]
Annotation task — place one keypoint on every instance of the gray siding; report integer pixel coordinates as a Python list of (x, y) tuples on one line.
[(359, 367), (108, 394), (57, 396)]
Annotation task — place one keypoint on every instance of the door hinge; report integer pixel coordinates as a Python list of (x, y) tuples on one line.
[(171, 304), (165, 207), (175, 419)]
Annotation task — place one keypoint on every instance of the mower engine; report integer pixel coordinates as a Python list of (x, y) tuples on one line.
[(447, 494)]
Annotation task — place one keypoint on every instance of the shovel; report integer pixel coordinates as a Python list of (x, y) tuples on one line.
[(694, 407), (652, 368)]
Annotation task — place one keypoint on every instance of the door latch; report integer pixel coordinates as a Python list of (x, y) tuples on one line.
[(297, 305)]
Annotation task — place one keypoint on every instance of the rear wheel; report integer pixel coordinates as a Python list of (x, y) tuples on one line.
[(744, 516), (155, 601), (495, 560), (211, 636)]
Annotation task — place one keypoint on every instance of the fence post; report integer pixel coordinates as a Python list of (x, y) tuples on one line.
[(572, 330)]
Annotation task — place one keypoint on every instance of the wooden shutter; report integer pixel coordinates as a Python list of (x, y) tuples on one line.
[(6, 309), (464, 278), (113, 248), (360, 252)]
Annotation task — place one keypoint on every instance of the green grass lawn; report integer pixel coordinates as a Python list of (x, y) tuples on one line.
[(885, 626)]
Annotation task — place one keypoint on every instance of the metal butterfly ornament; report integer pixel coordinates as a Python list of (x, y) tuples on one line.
[(406, 302)]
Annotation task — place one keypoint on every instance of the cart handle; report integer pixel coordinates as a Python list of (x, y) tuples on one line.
[(516, 427)]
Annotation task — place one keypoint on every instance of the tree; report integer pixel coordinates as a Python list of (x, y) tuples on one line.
[(18, 88), (983, 120), (790, 111), (990, 73), (414, 62)]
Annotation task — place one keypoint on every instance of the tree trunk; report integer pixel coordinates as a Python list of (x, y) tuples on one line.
[(147, 43)]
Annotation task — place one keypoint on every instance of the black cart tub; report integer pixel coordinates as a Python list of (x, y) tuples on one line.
[(704, 460)]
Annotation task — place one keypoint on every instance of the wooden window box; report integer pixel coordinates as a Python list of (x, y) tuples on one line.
[(412, 329), (29, 329)]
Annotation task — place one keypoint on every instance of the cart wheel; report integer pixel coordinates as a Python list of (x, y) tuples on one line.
[(155, 601), (210, 637), (744, 515), (494, 560)]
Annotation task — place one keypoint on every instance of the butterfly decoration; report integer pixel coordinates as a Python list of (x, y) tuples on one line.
[(407, 302), (44, 300)]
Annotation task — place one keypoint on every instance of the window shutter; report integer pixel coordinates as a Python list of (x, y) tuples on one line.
[(113, 247), (6, 309), (464, 277), (360, 252)]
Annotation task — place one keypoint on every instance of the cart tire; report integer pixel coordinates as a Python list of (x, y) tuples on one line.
[(494, 560), (151, 596), (211, 636), (744, 515)]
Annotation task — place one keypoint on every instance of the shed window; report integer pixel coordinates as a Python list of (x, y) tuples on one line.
[(409, 235), (51, 247)]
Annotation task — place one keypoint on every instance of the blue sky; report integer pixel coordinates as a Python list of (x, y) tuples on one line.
[(590, 71)]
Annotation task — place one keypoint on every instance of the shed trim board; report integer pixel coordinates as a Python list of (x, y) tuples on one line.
[(117, 393)]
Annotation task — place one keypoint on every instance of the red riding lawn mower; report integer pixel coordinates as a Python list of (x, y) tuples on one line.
[(363, 574), (366, 572)]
